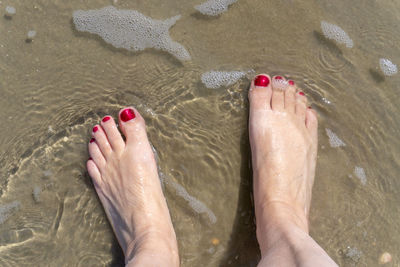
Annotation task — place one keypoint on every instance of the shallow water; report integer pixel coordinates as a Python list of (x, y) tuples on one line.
[(56, 87)]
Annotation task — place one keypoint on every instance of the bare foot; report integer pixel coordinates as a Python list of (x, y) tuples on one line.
[(125, 176), (283, 138)]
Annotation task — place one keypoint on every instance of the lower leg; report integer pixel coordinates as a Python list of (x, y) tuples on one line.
[(284, 239)]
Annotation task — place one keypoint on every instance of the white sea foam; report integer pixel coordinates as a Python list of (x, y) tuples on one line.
[(214, 7), (194, 203), (215, 79), (387, 67), (353, 253), (280, 84), (334, 140), (130, 30), (31, 34), (7, 209), (10, 11), (360, 173), (332, 31), (326, 101)]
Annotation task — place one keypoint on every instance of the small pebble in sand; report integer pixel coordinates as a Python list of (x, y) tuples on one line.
[(215, 241), (10, 12), (385, 258)]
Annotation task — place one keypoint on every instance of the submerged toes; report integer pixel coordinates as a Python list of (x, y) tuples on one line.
[(301, 105), (279, 85), (101, 140), (278, 93), (113, 135)]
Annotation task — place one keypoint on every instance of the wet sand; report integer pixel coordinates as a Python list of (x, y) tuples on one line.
[(56, 87)]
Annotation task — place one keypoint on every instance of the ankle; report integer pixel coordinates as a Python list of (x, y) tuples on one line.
[(280, 213), (151, 247), (276, 221)]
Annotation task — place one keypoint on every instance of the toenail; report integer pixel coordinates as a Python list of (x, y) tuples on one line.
[(291, 82), (127, 115), (92, 140), (95, 128), (310, 107), (278, 78), (301, 93), (261, 80), (90, 158), (106, 118)]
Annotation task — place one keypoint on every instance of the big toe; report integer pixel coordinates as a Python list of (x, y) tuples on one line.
[(260, 93), (132, 126)]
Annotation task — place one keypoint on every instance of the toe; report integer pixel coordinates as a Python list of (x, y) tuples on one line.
[(132, 125), (279, 85), (113, 135), (101, 140), (95, 154), (290, 97), (94, 172), (301, 105), (260, 92), (311, 120)]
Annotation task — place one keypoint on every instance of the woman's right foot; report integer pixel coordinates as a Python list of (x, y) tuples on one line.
[(283, 138), (125, 176)]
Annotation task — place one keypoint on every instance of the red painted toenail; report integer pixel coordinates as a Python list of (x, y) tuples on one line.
[(261, 80), (278, 78), (291, 82), (92, 140), (127, 115), (95, 128), (90, 158), (106, 118), (301, 93), (310, 107)]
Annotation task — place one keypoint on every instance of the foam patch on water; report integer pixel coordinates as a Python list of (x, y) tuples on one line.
[(10, 10), (280, 84), (332, 31), (326, 101), (130, 30), (31, 34), (360, 173), (216, 79), (353, 253), (387, 67), (334, 140), (7, 209), (194, 203), (214, 7)]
